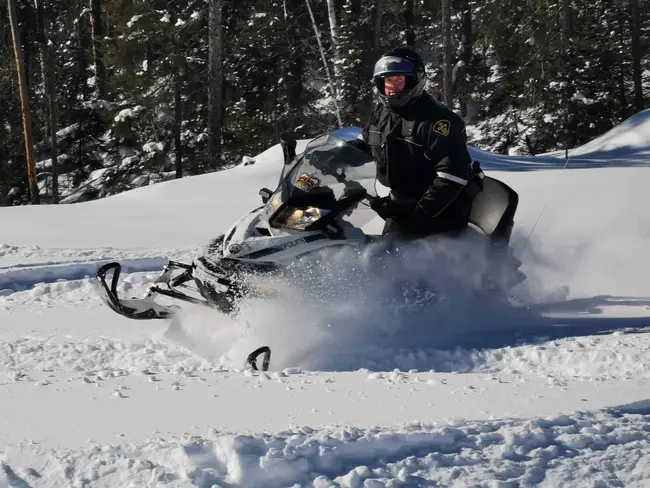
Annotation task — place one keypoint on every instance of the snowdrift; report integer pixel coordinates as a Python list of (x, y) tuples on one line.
[(187, 212), (627, 144)]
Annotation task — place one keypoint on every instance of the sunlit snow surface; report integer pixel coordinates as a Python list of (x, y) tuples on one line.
[(471, 392)]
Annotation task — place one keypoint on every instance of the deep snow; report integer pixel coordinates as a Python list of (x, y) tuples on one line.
[(471, 393)]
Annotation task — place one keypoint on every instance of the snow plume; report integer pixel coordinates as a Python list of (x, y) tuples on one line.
[(347, 311), (373, 309)]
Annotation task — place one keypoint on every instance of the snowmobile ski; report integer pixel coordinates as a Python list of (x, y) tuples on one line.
[(132, 308), (252, 358)]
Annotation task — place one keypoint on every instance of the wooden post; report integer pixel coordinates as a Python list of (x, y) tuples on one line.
[(24, 103)]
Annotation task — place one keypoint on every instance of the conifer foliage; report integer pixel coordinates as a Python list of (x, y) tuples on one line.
[(126, 93)]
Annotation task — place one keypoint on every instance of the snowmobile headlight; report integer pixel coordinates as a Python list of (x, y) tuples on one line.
[(300, 218), (273, 204)]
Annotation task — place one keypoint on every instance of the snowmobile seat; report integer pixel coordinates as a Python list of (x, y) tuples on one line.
[(494, 210)]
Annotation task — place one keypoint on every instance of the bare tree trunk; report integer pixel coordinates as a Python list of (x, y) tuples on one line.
[(333, 90), (80, 56), (635, 20), (467, 34), (446, 63), (622, 97), (97, 37), (178, 120), (567, 27), (336, 51), (178, 112), (377, 22), (24, 103), (467, 71), (215, 81), (295, 64), (334, 32), (567, 69), (49, 88), (377, 31), (409, 18)]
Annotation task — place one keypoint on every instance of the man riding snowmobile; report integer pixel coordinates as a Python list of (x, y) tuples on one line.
[(420, 149), (323, 201), (412, 144)]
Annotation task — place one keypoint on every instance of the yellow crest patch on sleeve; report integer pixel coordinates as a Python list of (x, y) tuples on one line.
[(442, 127)]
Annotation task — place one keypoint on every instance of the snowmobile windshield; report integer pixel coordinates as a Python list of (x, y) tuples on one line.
[(333, 178)]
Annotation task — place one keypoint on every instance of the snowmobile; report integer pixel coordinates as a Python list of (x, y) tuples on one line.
[(322, 202)]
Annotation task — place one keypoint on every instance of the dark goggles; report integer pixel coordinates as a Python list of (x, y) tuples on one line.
[(392, 65)]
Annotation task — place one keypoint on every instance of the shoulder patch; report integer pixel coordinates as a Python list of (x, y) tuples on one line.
[(442, 127)]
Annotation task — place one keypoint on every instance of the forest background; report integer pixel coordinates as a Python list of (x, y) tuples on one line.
[(101, 96)]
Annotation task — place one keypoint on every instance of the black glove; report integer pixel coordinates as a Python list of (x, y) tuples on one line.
[(387, 208), (360, 144)]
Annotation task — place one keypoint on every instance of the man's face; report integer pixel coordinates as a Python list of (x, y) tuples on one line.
[(394, 85)]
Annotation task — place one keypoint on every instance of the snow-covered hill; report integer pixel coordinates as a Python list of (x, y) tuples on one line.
[(473, 394)]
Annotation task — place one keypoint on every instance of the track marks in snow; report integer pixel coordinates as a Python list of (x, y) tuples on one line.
[(24, 256), (597, 358), (25, 277), (592, 357), (69, 293), (31, 277), (97, 358), (588, 449)]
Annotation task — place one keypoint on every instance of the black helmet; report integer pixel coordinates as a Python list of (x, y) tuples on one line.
[(400, 61)]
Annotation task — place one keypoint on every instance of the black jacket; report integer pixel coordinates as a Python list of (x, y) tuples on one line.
[(422, 157)]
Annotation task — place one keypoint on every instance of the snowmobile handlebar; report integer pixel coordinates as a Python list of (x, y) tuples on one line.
[(351, 186), (371, 199)]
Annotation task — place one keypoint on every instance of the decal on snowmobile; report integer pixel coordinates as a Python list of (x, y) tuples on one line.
[(283, 246), (306, 182), (442, 127), (238, 248)]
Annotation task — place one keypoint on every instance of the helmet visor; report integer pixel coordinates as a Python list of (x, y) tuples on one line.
[(392, 65)]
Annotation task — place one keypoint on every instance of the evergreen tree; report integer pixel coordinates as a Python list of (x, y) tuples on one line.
[(132, 79)]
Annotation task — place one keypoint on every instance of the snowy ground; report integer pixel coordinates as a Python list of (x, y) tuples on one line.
[(472, 394)]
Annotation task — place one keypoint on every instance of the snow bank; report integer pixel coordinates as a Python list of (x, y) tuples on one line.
[(588, 449), (630, 141)]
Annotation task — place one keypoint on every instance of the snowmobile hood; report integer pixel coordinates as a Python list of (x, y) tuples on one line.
[(254, 240)]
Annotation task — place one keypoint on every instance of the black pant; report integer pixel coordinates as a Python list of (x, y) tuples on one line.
[(446, 228)]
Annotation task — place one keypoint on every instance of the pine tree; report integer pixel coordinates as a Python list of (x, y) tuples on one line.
[(530, 77)]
